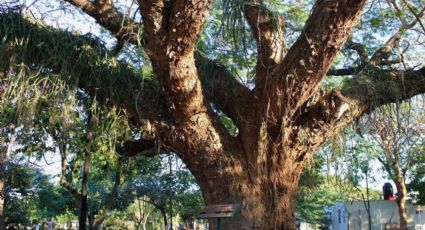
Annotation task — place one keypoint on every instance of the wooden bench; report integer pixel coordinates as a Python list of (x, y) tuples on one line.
[(219, 211)]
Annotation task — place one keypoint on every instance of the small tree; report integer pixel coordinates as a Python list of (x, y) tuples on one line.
[(417, 178), (399, 133)]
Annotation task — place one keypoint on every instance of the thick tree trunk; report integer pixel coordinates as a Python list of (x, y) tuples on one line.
[(262, 208), (401, 202), (267, 202)]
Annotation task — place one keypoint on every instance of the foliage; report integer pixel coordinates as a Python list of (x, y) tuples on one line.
[(31, 196), (189, 204), (417, 177), (152, 183), (319, 189), (101, 71)]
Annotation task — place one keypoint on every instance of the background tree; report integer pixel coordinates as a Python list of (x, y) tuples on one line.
[(6, 141), (282, 117), (30, 195), (51, 117), (140, 213), (334, 175), (417, 182), (399, 134), (391, 135), (151, 184)]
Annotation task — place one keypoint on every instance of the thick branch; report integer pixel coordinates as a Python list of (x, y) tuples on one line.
[(174, 63), (370, 89), (310, 58), (223, 88), (109, 17), (268, 31), (383, 52), (199, 127), (153, 20), (172, 28), (85, 63), (145, 147), (354, 70), (374, 87), (219, 83), (185, 22), (116, 85)]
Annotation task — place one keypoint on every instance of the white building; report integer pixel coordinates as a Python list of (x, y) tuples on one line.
[(384, 215), (419, 217)]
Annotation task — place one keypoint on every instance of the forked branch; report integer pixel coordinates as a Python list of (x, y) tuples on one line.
[(217, 81), (383, 53), (310, 58), (64, 168)]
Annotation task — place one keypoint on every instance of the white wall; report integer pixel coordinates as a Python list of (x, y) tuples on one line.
[(353, 215), (339, 217)]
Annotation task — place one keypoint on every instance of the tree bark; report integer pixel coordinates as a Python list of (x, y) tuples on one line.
[(63, 150), (86, 173), (266, 203), (401, 202), (164, 217)]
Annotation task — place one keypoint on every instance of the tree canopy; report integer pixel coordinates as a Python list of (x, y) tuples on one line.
[(244, 92)]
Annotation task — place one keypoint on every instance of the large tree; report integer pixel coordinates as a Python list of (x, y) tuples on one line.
[(281, 119)]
